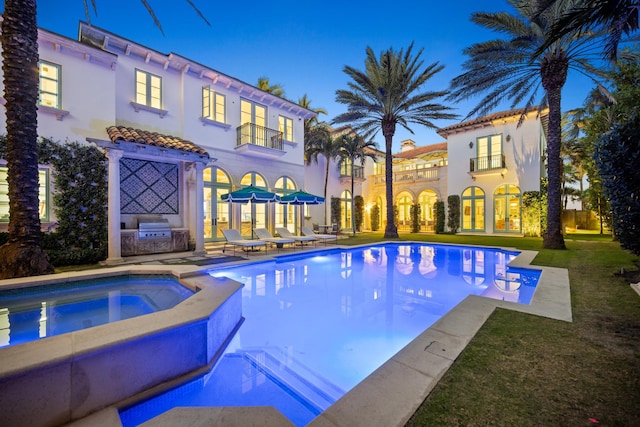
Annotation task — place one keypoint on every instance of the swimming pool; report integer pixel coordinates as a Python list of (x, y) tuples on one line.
[(32, 313), (318, 323)]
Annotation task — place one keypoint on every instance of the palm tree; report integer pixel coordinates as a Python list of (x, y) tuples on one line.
[(321, 142), (23, 255), (265, 85), (510, 69), (615, 17), (353, 149), (386, 94), (305, 102)]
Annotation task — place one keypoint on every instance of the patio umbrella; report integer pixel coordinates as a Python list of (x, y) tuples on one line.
[(301, 198), (250, 194)]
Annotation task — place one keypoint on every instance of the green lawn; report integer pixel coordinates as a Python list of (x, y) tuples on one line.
[(524, 370)]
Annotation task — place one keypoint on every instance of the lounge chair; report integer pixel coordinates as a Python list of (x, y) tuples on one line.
[(284, 232), (264, 235), (234, 239), (323, 237)]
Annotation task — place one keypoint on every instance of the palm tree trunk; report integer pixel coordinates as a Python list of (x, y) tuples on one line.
[(388, 129), (326, 182), (353, 203), (554, 74), (22, 255)]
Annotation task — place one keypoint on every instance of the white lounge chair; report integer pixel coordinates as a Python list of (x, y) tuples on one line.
[(234, 239), (284, 232), (323, 237), (264, 235)]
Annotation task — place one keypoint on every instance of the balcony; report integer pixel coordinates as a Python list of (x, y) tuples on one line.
[(259, 141), (411, 176), (488, 165), (345, 173)]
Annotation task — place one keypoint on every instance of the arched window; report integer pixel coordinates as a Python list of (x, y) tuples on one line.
[(403, 202), (507, 210), (285, 214), (217, 214), (345, 209), (253, 215), (426, 199), (473, 202)]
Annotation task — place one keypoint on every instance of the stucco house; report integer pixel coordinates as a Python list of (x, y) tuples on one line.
[(177, 135)]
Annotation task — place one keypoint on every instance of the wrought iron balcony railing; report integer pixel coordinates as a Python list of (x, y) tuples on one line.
[(250, 133), (486, 163)]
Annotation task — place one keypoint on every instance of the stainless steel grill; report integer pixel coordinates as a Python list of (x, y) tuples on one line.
[(153, 228)]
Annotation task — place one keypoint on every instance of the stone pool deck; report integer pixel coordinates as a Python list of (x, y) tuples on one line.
[(392, 393)]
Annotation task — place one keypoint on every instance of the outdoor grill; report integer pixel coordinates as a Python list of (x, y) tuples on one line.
[(153, 228)]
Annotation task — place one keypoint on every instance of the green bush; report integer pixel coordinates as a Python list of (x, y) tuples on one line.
[(375, 217), (439, 214), (64, 257), (534, 211), (415, 211), (453, 222), (336, 211), (359, 213)]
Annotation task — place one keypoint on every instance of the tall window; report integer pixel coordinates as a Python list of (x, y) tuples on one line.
[(489, 152), (473, 209), (43, 194), (507, 209), (285, 213), (148, 89), (345, 202), (404, 202), (50, 85), (285, 125), (213, 105), (253, 215)]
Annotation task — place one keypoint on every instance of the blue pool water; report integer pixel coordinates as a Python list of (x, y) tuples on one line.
[(32, 313), (318, 323)]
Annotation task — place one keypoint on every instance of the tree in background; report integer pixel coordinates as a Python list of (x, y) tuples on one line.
[(386, 94), (305, 102), (512, 69), (274, 89), (353, 149), (319, 142)]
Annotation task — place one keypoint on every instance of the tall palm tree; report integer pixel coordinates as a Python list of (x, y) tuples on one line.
[(615, 17), (389, 92), (265, 85), (23, 255), (510, 69), (353, 149), (320, 142)]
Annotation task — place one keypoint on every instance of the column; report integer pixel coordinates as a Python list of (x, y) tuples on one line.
[(113, 227), (196, 207)]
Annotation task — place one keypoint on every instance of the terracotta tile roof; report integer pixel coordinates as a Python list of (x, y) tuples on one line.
[(481, 120), (421, 151), (127, 134)]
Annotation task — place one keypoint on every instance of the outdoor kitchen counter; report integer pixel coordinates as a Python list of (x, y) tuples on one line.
[(132, 245)]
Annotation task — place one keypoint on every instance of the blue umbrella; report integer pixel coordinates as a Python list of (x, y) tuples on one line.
[(250, 194), (301, 198)]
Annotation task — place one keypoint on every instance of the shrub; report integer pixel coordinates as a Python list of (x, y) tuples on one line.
[(359, 213), (336, 211), (375, 217), (534, 211), (415, 211), (439, 214), (453, 202)]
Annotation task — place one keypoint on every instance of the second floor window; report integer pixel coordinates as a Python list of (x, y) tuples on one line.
[(285, 125), (489, 152), (148, 89), (50, 85), (213, 105)]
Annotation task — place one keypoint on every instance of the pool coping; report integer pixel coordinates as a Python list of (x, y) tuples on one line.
[(392, 393)]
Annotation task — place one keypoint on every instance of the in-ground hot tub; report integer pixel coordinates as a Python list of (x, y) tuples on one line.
[(56, 380)]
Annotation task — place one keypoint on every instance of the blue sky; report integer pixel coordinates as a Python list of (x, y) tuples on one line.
[(302, 46)]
